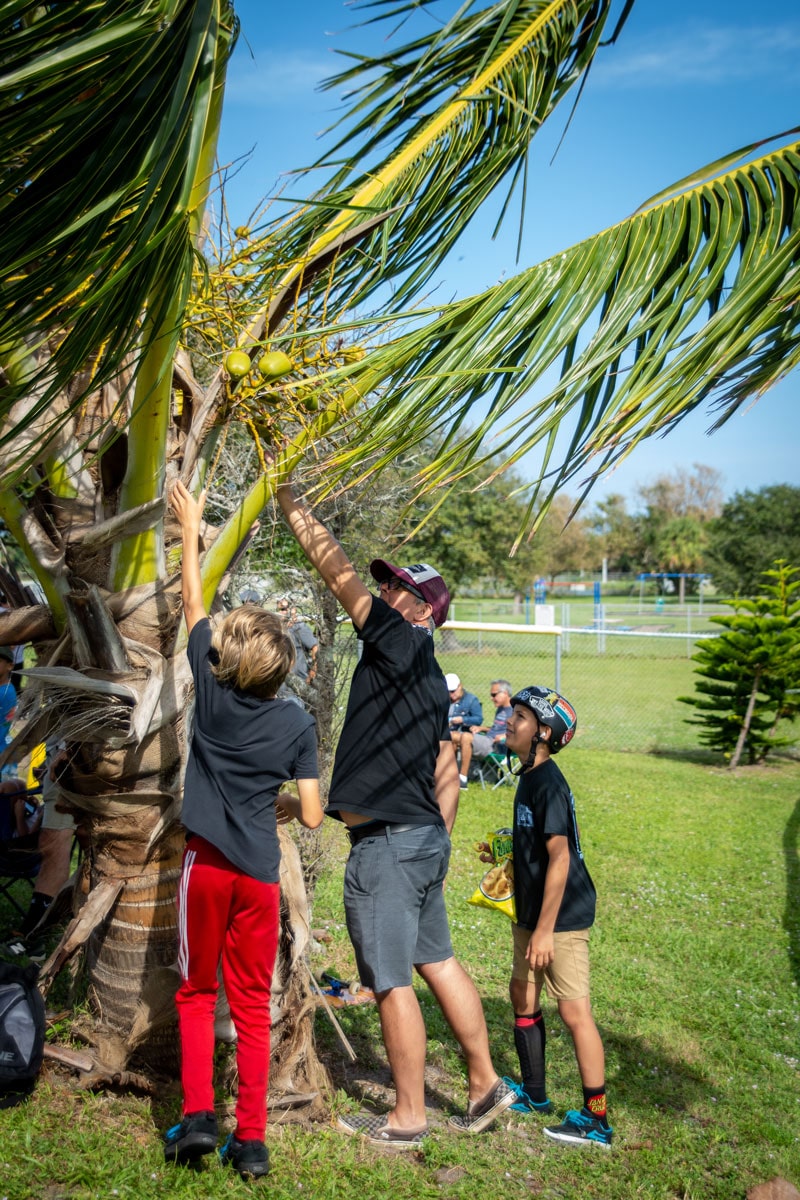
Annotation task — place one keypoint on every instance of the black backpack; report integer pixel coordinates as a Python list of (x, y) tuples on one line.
[(22, 1025)]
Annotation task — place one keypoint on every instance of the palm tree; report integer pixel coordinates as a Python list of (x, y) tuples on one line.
[(114, 376)]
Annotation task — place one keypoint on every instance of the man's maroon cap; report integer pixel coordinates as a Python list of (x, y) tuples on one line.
[(423, 578)]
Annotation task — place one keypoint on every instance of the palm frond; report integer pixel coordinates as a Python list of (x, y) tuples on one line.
[(105, 110), (439, 124), (694, 298)]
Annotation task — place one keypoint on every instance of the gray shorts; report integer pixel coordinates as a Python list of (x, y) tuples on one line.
[(482, 745), (394, 904)]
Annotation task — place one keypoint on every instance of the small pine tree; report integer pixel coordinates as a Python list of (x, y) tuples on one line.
[(749, 676)]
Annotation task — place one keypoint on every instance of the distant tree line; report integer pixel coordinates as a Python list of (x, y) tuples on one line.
[(679, 523)]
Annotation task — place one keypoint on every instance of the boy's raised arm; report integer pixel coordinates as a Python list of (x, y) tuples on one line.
[(189, 511)]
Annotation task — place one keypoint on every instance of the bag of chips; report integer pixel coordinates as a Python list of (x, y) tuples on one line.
[(496, 889)]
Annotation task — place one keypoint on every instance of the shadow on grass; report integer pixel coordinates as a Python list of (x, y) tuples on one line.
[(641, 1074), (712, 758), (638, 1071), (702, 758), (648, 1078), (791, 912)]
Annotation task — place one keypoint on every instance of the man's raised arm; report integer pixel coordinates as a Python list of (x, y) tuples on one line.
[(325, 553)]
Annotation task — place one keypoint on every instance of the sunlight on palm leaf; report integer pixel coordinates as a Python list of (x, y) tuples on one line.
[(614, 340), (439, 125)]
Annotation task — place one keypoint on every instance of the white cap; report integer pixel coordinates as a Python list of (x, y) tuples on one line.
[(452, 682)]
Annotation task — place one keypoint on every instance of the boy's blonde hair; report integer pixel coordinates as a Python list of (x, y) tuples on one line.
[(254, 651)]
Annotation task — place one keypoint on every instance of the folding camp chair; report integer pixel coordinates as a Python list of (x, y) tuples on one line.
[(492, 769), (19, 856)]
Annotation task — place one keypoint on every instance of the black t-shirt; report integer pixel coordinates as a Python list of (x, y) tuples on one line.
[(396, 716), (243, 750), (544, 807)]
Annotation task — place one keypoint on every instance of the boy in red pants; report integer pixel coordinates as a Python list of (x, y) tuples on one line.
[(245, 745)]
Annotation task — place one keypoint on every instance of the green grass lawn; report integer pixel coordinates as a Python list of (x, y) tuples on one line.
[(696, 967)]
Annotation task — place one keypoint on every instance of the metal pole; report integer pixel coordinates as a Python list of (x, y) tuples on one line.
[(558, 663)]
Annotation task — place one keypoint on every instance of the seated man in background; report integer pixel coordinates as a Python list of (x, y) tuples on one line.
[(56, 834), (465, 714), (490, 739), (8, 707)]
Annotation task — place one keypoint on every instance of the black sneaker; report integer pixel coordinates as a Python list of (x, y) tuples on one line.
[(249, 1158), (195, 1136), (17, 949)]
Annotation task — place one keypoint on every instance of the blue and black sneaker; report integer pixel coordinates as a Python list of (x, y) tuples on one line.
[(195, 1136), (523, 1103), (249, 1157), (581, 1129)]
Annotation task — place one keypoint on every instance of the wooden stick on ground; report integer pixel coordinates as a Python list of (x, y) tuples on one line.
[(351, 1054)]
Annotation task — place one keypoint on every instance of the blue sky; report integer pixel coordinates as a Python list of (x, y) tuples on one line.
[(685, 83)]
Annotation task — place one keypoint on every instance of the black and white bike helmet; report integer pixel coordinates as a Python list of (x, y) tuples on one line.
[(551, 709)]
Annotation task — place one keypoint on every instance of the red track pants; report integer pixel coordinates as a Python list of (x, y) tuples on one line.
[(225, 915)]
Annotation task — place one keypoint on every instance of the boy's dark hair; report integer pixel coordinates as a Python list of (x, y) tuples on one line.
[(255, 652)]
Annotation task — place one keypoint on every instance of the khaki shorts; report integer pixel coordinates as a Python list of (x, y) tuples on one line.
[(567, 977)]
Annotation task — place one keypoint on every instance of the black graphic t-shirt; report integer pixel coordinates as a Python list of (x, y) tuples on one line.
[(544, 807)]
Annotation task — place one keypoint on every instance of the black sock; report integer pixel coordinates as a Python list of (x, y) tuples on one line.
[(530, 1041), (594, 1101), (38, 907)]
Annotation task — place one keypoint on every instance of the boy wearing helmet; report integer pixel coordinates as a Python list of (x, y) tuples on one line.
[(555, 906)]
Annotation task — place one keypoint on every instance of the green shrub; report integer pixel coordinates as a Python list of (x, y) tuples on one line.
[(749, 676)]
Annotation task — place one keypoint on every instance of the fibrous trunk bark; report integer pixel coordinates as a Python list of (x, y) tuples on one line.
[(126, 727)]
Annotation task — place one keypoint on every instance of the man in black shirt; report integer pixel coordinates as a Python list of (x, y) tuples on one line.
[(395, 786)]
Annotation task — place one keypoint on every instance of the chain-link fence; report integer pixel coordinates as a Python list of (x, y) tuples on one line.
[(623, 682), (622, 664)]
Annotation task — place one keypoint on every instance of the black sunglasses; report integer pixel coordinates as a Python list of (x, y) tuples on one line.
[(393, 584)]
